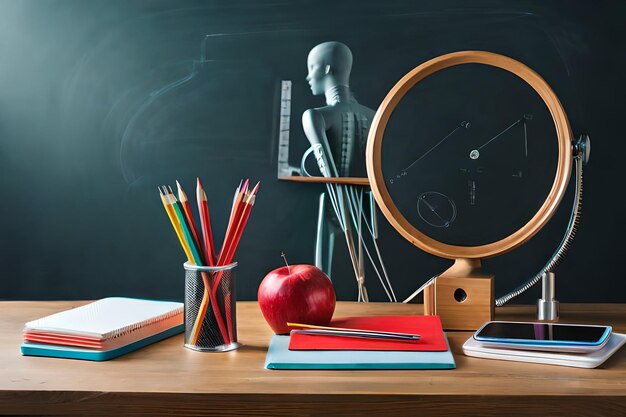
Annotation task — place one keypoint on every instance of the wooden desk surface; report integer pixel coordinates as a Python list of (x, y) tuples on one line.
[(167, 378)]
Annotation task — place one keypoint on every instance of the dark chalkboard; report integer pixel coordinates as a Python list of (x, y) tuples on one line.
[(101, 101)]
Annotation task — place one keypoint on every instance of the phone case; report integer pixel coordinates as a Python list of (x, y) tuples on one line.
[(476, 349), (547, 348), (541, 343)]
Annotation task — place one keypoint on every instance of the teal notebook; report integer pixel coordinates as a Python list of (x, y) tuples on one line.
[(280, 357)]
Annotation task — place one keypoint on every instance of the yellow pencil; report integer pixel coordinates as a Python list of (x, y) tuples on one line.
[(167, 203)]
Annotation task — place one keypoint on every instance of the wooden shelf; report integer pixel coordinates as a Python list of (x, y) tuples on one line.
[(329, 180)]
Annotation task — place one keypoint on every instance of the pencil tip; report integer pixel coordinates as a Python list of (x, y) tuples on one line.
[(178, 185), (199, 182), (159, 188)]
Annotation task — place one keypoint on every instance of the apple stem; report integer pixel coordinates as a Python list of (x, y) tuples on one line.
[(286, 263)]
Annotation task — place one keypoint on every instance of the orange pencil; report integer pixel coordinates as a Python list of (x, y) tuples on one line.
[(236, 199), (235, 212)]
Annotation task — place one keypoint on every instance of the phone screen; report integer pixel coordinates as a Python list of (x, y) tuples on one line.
[(542, 332)]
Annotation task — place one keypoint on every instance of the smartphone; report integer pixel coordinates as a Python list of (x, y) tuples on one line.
[(551, 355), (543, 334)]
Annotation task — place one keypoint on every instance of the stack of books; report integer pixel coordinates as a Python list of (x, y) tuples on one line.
[(333, 349), (104, 329)]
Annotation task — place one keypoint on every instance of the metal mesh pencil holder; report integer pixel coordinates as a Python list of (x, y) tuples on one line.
[(217, 332)]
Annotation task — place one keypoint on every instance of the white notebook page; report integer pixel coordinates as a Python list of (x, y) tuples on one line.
[(107, 318)]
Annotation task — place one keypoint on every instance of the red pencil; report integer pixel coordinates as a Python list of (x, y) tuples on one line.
[(228, 250), (188, 220), (240, 211), (205, 223), (241, 224), (235, 212)]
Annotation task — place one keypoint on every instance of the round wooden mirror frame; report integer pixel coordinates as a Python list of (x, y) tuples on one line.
[(379, 186)]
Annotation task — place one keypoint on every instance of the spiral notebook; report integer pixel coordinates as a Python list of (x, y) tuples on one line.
[(103, 329)]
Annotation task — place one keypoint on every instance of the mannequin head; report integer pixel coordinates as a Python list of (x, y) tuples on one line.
[(329, 65)]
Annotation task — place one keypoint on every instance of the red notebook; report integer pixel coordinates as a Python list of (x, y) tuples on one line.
[(428, 327)]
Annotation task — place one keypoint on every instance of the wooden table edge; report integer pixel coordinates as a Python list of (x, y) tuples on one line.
[(168, 403)]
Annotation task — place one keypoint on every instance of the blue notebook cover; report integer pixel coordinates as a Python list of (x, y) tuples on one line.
[(69, 352), (280, 357)]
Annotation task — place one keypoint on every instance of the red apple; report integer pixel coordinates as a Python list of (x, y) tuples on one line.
[(297, 294)]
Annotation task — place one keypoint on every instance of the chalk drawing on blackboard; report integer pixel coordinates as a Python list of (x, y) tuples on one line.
[(436, 209), (194, 123), (128, 171), (475, 153), (404, 172)]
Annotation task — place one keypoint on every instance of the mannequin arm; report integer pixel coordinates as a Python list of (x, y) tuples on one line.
[(315, 131)]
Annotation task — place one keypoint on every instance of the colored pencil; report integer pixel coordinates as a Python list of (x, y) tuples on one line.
[(200, 250), (241, 224), (206, 300), (342, 331), (234, 213), (239, 203), (206, 296), (205, 223), (196, 259), (246, 207), (242, 203), (184, 201), (172, 216), (232, 209)]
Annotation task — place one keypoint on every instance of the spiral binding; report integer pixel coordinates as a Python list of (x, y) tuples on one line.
[(136, 326)]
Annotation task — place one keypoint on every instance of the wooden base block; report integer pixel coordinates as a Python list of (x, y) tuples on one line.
[(463, 303)]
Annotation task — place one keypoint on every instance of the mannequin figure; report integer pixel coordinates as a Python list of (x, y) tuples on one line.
[(340, 127), (338, 135)]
